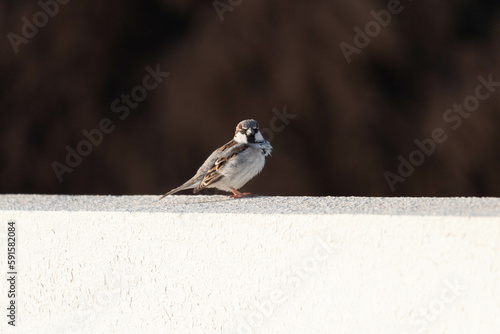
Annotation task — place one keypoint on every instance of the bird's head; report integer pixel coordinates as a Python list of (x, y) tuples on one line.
[(247, 131)]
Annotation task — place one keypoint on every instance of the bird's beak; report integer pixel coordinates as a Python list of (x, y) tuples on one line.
[(250, 132)]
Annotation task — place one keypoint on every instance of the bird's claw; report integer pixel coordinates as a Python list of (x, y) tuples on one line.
[(237, 194)]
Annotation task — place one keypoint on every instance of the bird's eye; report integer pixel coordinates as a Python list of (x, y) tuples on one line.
[(256, 130)]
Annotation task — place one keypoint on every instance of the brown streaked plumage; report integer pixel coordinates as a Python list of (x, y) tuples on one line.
[(228, 145), (213, 174), (232, 165)]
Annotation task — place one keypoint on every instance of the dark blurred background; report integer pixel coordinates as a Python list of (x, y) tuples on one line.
[(352, 120)]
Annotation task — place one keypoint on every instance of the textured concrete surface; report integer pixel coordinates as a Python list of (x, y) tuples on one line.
[(464, 206), (205, 264)]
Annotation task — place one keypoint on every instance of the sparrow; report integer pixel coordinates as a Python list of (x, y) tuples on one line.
[(231, 166)]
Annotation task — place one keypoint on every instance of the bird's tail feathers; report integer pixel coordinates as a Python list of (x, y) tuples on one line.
[(173, 191), (188, 185)]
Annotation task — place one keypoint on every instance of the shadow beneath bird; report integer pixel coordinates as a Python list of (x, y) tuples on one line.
[(208, 199), (197, 200)]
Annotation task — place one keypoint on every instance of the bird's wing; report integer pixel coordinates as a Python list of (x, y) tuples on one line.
[(218, 153), (214, 173), (204, 169)]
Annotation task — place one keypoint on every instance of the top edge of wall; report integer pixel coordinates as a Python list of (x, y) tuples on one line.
[(404, 206)]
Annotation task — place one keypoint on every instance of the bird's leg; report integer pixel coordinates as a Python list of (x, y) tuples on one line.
[(238, 194)]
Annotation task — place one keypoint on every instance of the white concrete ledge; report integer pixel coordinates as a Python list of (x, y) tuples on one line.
[(206, 264)]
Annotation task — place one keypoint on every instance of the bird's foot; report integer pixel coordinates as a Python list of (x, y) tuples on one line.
[(237, 194)]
